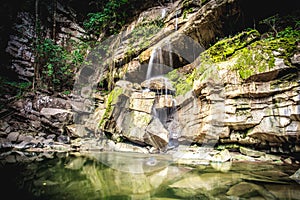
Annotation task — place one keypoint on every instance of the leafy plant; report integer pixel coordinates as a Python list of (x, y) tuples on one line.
[(109, 20), (57, 65), (13, 87), (142, 35), (290, 32)]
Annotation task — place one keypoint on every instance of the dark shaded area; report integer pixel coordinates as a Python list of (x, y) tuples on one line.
[(256, 10)]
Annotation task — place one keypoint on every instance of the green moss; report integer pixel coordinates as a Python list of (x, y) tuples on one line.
[(226, 47), (253, 56), (112, 99), (141, 36), (259, 57), (181, 82), (228, 146), (173, 75)]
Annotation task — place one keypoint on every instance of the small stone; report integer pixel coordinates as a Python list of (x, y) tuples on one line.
[(13, 136), (26, 138), (288, 161), (221, 156), (52, 136), (251, 152), (3, 126), (63, 139)]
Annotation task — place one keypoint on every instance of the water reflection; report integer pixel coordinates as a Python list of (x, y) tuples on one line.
[(137, 176)]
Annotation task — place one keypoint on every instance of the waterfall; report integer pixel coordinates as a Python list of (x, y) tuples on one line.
[(173, 128), (176, 22), (150, 65), (160, 61), (170, 53), (163, 13), (156, 56)]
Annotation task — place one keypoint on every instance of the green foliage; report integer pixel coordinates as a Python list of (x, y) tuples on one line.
[(57, 65), (142, 34), (289, 32), (187, 8), (13, 87), (283, 26), (249, 54), (187, 11), (248, 61), (271, 22), (109, 20), (259, 57)]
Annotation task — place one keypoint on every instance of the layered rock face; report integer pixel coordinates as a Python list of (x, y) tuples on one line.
[(171, 87), (243, 90), (23, 34), (259, 101), (140, 115)]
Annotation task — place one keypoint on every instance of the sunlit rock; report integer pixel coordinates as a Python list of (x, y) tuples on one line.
[(142, 101), (124, 147), (159, 85), (156, 134), (164, 101), (221, 156), (134, 125), (251, 152)]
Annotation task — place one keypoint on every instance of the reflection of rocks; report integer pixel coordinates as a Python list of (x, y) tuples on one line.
[(204, 184), (106, 175), (248, 190)]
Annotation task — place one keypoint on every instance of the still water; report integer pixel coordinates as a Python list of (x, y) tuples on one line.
[(117, 176)]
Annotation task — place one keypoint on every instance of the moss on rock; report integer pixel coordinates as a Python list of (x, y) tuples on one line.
[(251, 56), (181, 82), (260, 56), (112, 99), (227, 47)]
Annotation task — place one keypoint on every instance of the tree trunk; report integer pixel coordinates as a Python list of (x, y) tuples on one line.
[(36, 78), (54, 5)]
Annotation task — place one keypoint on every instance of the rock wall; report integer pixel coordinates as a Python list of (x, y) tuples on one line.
[(22, 34), (204, 95), (261, 109), (231, 101)]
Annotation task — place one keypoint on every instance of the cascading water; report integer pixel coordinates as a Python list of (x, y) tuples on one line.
[(170, 53), (167, 104), (163, 13), (176, 22), (150, 65), (172, 128)]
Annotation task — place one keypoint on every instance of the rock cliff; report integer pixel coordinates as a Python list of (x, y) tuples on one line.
[(179, 72)]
